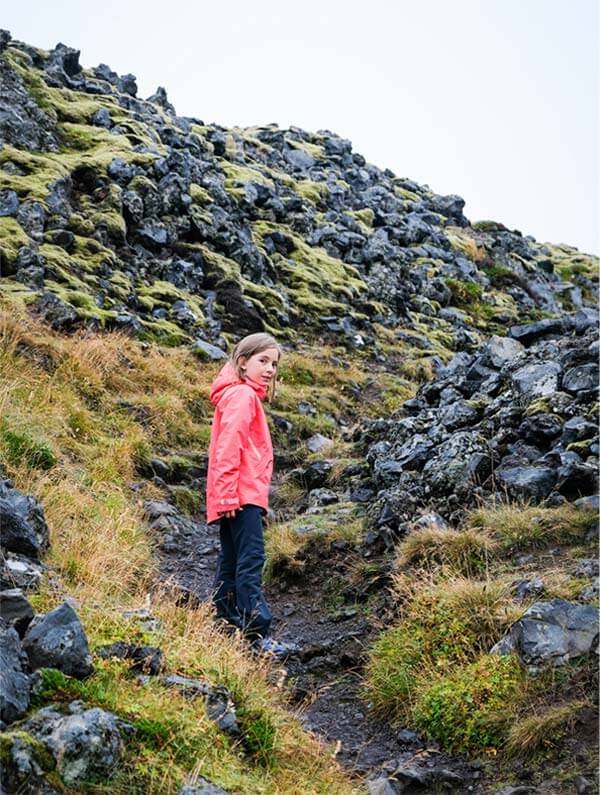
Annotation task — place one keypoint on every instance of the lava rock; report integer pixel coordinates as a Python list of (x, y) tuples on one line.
[(147, 659), (57, 640), (9, 203), (533, 482), (15, 609), (14, 682), (552, 632), (24, 528), (86, 744), (536, 380), (200, 786), (220, 709)]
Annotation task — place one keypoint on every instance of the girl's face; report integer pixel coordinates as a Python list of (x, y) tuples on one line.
[(261, 367)]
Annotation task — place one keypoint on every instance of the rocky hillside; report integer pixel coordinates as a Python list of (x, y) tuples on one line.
[(432, 541)]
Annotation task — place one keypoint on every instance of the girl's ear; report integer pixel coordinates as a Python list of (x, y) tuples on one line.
[(242, 362)]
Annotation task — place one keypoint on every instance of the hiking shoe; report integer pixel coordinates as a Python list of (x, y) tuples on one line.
[(267, 647)]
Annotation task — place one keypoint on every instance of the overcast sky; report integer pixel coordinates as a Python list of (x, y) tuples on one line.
[(495, 100)]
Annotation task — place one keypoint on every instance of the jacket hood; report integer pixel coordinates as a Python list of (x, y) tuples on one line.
[(228, 377)]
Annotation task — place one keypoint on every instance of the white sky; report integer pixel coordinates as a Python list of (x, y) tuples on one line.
[(495, 100)]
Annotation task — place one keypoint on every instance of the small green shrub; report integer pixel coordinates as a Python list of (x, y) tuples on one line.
[(23, 449), (471, 711), (446, 626), (464, 292)]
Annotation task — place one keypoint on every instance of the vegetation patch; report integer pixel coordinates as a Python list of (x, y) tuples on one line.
[(471, 710), (442, 628), (518, 527), (466, 552)]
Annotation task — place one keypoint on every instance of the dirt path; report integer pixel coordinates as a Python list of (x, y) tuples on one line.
[(333, 631)]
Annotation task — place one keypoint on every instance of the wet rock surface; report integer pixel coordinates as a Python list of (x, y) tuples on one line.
[(57, 640), (85, 743)]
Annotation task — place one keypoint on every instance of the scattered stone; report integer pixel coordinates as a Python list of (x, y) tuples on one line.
[(14, 682), (317, 443), (15, 609), (147, 659), (204, 350), (25, 761), (57, 640), (552, 632), (189, 688), (318, 497), (17, 571), (220, 709), (381, 786), (536, 380), (431, 519), (24, 528), (533, 482), (85, 744), (200, 786)]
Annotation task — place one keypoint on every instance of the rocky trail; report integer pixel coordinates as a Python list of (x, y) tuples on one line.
[(332, 619)]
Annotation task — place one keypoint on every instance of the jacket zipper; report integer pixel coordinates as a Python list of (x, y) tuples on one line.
[(253, 446)]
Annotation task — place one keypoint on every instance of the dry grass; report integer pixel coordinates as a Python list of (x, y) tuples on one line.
[(523, 526), (65, 392), (466, 552), (545, 730), (284, 541)]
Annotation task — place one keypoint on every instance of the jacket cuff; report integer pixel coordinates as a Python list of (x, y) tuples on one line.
[(228, 505)]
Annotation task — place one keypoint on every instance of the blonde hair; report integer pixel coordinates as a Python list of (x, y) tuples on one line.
[(247, 347)]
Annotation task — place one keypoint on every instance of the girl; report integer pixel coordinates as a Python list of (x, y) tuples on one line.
[(240, 465)]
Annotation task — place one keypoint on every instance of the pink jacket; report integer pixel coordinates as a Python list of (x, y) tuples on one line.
[(240, 455)]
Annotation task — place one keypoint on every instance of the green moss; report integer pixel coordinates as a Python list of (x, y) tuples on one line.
[(471, 710), (313, 275), (314, 150), (313, 192), (12, 238), (463, 292), (15, 293), (164, 294), (22, 448), (163, 332), (366, 216), (17, 740), (404, 193), (582, 447), (80, 225), (63, 267), (268, 300), (199, 195), (120, 284), (237, 176), (142, 185)]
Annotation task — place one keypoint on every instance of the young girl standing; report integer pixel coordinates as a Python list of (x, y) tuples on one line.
[(240, 465)]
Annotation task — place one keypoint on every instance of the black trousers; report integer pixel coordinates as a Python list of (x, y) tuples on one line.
[(238, 596)]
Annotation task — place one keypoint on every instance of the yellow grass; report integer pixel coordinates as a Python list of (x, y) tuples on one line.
[(64, 392)]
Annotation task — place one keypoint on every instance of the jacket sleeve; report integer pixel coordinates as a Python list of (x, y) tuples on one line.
[(237, 412)]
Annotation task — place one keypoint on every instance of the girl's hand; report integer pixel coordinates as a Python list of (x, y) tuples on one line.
[(227, 514)]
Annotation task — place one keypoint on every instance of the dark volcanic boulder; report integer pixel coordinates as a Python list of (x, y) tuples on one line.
[(532, 482), (15, 609), (552, 632), (57, 640), (86, 744), (14, 682), (24, 528)]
